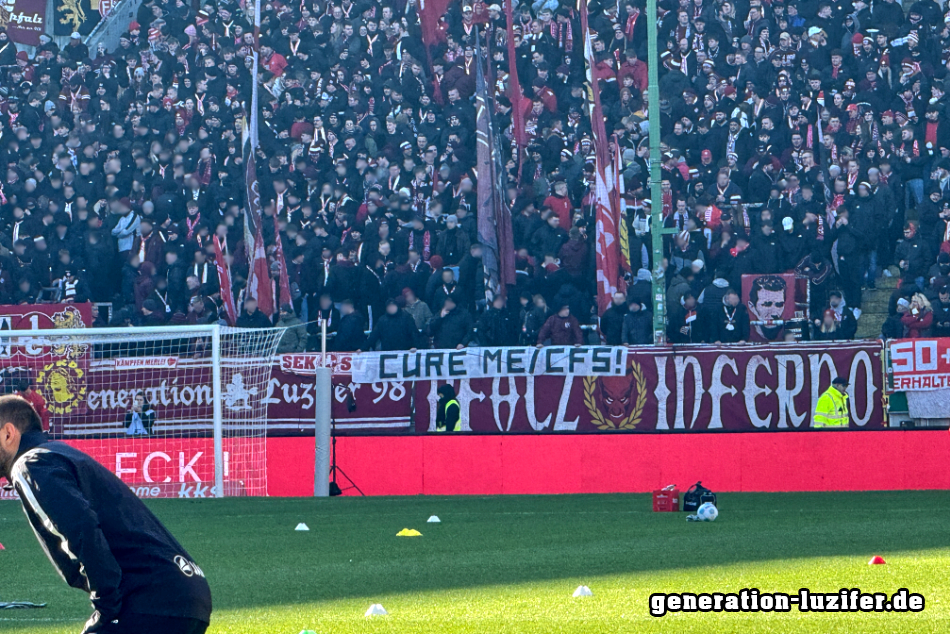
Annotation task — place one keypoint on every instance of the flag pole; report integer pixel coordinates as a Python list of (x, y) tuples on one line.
[(656, 187), (254, 74)]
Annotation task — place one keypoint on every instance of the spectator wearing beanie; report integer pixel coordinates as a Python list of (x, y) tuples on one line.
[(561, 329), (637, 325), (453, 327), (394, 330)]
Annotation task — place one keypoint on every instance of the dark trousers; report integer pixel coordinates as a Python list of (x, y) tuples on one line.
[(151, 624), (850, 270)]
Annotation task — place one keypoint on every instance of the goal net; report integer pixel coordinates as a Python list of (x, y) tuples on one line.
[(174, 412)]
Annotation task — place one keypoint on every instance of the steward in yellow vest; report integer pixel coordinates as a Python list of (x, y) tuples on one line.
[(832, 409), (449, 411)]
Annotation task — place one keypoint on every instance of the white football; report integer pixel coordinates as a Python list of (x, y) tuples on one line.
[(707, 512)]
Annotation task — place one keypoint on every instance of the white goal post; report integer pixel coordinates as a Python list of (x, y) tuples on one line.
[(175, 411)]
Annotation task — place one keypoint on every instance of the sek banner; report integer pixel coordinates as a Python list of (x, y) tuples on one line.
[(920, 364), (478, 363), (736, 388)]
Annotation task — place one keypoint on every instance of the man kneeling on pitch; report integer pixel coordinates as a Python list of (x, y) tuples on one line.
[(99, 536)]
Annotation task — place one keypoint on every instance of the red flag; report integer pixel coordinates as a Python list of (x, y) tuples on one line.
[(515, 96), (607, 217), (430, 12), (224, 281), (284, 279), (494, 218), (258, 283)]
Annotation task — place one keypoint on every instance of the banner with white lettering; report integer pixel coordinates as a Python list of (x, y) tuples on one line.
[(920, 364), (477, 363), (94, 402), (24, 20), (708, 388)]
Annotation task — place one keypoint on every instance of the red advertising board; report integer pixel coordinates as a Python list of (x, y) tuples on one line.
[(25, 20), (920, 364), (736, 388), (450, 464)]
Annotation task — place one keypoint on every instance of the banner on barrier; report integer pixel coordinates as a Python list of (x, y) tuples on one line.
[(920, 364), (180, 391), (743, 387), (57, 366), (736, 388), (477, 363)]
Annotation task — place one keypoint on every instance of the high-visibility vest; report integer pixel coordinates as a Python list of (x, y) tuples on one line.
[(832, 410), (445, 416)]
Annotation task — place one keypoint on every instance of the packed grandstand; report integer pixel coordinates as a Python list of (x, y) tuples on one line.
[(805, 156)]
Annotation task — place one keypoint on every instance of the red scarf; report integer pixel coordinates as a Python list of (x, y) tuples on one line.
[(631, 23), (192, 225)]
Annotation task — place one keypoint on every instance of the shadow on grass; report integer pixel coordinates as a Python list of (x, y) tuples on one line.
[(254, 558)]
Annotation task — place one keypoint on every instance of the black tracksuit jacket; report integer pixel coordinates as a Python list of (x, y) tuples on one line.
[(102, 539)]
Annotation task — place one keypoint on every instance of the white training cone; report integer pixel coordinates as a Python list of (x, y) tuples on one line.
[(376, 610), (583, 591), (434, 519), (302, 527), (307, 632)]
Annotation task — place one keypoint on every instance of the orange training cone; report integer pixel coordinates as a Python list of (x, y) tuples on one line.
[(876, 560)]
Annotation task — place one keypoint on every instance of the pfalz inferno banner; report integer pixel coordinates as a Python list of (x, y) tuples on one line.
[(475, 363), (736, 388)]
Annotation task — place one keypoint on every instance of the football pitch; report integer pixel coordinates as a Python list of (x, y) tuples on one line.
[(511, 564)]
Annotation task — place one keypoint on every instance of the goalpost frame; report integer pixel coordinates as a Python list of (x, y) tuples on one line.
[(212, 330), (166, 332), (218, 412)]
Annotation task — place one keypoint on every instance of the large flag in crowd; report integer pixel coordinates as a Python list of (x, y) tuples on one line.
[(494, 218), (430, 12), (258, 279), (606, 203), (284, 279), (224, 281)]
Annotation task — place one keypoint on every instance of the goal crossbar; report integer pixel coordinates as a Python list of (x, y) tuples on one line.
[(231, 365)]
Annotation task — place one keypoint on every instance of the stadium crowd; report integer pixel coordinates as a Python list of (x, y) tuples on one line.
[(806, 136)]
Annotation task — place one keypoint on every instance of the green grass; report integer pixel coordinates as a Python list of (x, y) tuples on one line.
[(510, 564)]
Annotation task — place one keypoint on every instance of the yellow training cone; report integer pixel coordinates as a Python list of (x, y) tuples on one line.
[(408, 532)]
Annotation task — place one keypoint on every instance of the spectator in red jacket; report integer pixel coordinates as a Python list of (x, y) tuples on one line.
[(560, 203), (25, 390), (562, 329)]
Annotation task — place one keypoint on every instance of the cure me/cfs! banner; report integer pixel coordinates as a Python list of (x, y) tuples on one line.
[(477, 363)]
